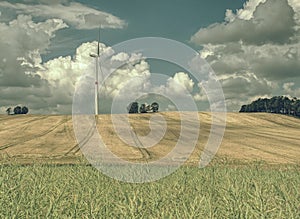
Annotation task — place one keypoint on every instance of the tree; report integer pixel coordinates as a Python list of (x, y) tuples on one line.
[(243, 109), (143, 108), (133, 107), (286, 105), (154, 107), (278, 104), (8, 110), (20, 110), (17, 110), (24, 110), (293, 106), (297, 108)]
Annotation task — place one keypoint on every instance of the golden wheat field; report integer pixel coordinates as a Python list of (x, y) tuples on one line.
[(248, 137)]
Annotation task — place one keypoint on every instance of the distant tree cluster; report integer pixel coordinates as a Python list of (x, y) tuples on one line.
[(278, 104), (17, 110), (133, 107), (144, 108)]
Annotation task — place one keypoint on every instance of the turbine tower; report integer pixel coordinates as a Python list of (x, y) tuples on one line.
[(96, 56)]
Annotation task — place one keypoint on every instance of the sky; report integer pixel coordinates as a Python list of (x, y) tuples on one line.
[(253, 46)]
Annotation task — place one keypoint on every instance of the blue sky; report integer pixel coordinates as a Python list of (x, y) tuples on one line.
[(253, 46), (173, 19)]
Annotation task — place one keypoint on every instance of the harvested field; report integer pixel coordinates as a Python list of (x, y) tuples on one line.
[(248, 137)]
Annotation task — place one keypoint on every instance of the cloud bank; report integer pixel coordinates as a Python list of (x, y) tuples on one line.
[(74, 14), (255, 50), (48, 87)]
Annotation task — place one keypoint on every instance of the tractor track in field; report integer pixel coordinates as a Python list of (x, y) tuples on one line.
[(69, 131), (24, 122), (28, 123), (79, 145), (29, 138), (138, 144), (37, 119), (146, 154)]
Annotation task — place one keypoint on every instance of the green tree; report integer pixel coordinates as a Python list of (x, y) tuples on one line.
[(17, 110), (277, 104), (24, 110)]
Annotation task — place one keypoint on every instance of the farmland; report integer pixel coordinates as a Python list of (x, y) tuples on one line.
[(248, 137), (219, 191), (255, 173)]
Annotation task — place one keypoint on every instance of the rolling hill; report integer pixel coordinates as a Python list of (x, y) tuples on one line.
[(248, 137)]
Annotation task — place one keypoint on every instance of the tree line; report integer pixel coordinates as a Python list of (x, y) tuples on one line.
[(277, 104), (17, 110), (144, 108)]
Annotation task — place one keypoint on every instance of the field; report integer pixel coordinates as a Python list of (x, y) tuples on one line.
[(219, 191), (255, 174), (248, 137)]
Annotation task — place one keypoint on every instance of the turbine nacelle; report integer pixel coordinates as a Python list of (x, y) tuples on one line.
[(94, 55)]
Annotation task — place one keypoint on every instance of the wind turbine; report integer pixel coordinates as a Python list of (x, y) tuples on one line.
[(96, 56)]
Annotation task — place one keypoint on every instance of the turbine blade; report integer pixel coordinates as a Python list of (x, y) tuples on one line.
[(98, 52)]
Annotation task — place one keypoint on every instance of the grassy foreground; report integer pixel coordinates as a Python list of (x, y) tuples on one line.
[(218, 191)]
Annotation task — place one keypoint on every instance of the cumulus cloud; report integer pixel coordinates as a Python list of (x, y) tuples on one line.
[(274, 62), (258, 30), (127, 80), (180, 83), (59, 77), (238, 88), (291, 90), (48, 87), (134, 80), (25, 79), (248, 87), (26, 34), (255, 51), (23, 40), (73, 13), (64, 73), (246, 13), (296, 6)]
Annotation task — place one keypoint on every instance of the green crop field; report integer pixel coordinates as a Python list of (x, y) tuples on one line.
[(253, 190)]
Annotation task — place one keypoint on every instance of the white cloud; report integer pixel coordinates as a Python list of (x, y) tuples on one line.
[(274, 62), (46, 87), (238, 89), (74, 14), (255, 51), (183, 80), (243, 87), (258, 30), (127, 80), (122, 56), (49, 87), (178, 86), (170, 108), (24, 79), (63, 73), (296, 6), (23, 41), (290, 89), (246, 13)]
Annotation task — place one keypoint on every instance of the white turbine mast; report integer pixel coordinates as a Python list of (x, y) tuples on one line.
[(96, 56)]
